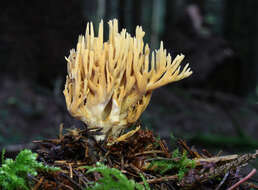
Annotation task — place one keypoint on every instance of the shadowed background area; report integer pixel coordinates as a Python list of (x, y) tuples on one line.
[(215, 107)]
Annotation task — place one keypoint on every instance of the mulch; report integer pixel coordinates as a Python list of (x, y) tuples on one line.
[(133, 156)]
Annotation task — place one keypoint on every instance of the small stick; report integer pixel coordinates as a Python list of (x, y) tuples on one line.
[(82, 178), (161, 179), (122, 162), (72, 181), (61, 132), (70, 170), (223, 181), (67, 186), (164, 148), (135, 168), (149, 152), (217, 159), (206, 153), (38, 184), (194, 154), (243, 180)]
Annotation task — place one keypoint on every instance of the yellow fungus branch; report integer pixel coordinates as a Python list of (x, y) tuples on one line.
[(109, 84)]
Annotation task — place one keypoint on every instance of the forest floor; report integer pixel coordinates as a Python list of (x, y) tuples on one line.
[(211, 120)]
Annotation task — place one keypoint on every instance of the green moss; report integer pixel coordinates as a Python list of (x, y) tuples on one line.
[(178, 162), (114, 179), (13, 173)]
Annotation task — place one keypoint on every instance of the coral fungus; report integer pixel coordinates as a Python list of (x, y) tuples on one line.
[(109, 84)]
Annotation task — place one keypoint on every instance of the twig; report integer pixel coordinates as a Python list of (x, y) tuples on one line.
[(38, 183), (217, 159), (223, 181), (99, 146), (70, 170), (61, 127), (82, 178), (149, 152), (122, 162), (206, 153), (72, 181), (161, 179), (194, 154), (164, 148), (135, 168), (67, 186), (243, 180), (238, 159)]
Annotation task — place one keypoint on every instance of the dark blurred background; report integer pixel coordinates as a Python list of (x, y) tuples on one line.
[(214, 108)]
